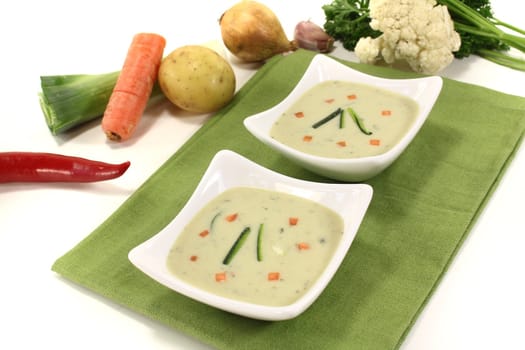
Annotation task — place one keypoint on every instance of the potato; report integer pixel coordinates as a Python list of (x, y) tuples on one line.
[(197, 79)]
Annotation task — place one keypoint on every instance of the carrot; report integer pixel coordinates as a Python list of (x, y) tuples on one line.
[(231, 217), (293, 221), (193, 258), (386, 112), (341, 143), (299, 115), (307, 138), (375, 142), (133, 87), (329, 100), (204, 233), (303, 246), (351, 97), (220, 276), (273, 276)]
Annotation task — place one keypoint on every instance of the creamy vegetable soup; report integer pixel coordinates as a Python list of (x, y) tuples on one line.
[(254, 245), (340, 119)]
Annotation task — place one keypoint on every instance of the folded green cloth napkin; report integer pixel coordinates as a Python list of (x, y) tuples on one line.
[(422, 210)]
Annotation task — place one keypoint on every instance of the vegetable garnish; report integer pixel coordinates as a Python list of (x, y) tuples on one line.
[(327, 118), (299, 115), (206, 232), (236, 245), (351, 97), (259, 242), (51, 167), (303, 246), (231, 217), (134, 86), (194, 258), (212, 222), (220, 276), (307, 138), (341, 120), (341, 143), (358, 121), (386, 113), (374, 142), (293, 221), (274, 276), (329, 100)]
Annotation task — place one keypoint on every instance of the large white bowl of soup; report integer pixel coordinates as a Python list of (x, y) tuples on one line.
[(344, 124), (254, 242)]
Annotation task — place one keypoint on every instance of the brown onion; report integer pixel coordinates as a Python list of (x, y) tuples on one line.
[(252, 32)]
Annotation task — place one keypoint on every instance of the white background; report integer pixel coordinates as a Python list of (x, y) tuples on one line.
[(478, 305)]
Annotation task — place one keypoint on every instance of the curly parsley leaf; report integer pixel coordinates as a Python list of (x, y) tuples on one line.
[(348, 21)]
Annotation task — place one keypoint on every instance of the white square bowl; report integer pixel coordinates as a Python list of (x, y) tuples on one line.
[(424, 91), (226, 170)]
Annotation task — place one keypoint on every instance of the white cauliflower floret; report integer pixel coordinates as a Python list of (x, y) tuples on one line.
[(369, 49), (415, 31)]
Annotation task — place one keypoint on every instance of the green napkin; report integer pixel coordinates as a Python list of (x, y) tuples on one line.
[(422, 210)]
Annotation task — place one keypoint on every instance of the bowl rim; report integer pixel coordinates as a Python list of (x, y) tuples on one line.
[(146, 256)]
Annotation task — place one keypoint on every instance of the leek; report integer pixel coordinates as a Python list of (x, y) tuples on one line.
[(327, 118), (259, 242), (236, 245), (358, 121), (68, 101)]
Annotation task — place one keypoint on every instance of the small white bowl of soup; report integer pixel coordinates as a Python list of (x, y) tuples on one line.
[(344, 124), (254, 242)]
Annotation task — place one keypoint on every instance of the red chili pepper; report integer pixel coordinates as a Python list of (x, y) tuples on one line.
[(51, 167)]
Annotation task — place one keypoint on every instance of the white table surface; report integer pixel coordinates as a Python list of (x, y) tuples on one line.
[(478, 305)]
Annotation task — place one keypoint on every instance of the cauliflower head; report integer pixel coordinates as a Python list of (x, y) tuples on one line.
[(415, 31)]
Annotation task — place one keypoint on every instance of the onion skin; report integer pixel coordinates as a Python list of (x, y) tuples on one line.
[(310, 36), (252, 32)]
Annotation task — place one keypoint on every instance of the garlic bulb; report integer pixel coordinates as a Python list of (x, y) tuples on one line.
[(310, 36)]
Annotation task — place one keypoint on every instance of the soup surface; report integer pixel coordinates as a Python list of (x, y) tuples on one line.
[(341, 119), (255, 245)]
